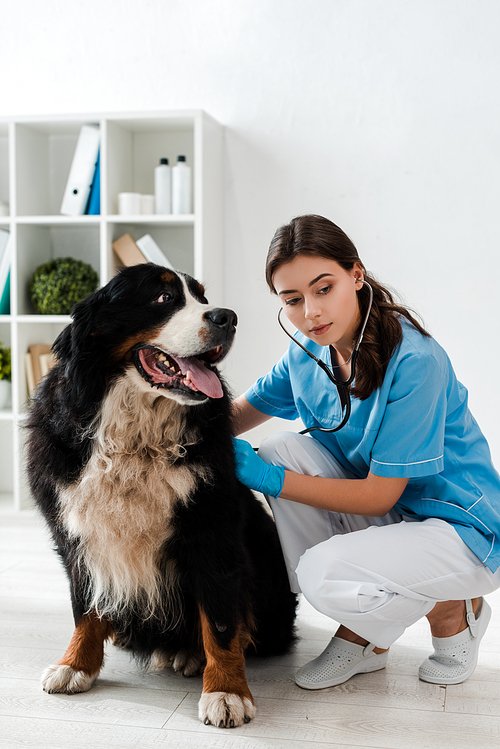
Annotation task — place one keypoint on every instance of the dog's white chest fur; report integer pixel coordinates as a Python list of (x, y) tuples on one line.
[(121, 508)]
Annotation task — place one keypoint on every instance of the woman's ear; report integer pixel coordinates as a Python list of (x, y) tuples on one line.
[(358, 273)]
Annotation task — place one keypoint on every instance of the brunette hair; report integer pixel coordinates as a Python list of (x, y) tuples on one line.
[(316, 236)]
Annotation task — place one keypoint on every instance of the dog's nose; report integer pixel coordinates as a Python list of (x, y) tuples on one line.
[(222, 318)]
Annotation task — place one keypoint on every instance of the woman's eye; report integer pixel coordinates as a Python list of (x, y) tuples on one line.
[(324, 290), (164, 297), (291, 302)]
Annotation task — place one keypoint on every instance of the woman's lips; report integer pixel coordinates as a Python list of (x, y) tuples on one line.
[(321, 329)]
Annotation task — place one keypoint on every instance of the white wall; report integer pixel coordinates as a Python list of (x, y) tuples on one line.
[(381, 114)]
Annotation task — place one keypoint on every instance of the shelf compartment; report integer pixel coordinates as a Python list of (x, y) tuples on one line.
[(38, 243), (175, 241), (134, 149), (44, 154), (29, 334)]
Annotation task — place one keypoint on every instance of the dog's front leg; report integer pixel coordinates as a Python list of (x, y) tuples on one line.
[(79, 667), (226, 701)]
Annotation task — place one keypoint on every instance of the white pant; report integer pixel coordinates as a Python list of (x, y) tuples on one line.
[(376, 576)]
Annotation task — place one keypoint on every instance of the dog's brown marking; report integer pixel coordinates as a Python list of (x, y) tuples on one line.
[(123, 351), (168, 277), (205, 336), (86, 650), (225, 669)]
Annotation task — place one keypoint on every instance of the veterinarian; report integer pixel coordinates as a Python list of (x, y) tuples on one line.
[(395, 515)]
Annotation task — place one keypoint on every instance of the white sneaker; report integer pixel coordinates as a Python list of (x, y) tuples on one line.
[(338, 662), (454, 658)]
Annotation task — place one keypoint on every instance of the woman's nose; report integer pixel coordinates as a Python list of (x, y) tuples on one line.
[(312, 309)]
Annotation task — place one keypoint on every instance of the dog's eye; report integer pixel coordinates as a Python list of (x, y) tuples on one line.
[(164, 297)]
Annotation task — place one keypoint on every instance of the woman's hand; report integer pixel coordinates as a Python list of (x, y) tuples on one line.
[(254, 473)]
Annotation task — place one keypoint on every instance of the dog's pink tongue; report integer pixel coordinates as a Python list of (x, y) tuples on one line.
[(202, 377)]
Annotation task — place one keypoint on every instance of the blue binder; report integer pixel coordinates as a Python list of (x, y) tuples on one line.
[(94, 203)]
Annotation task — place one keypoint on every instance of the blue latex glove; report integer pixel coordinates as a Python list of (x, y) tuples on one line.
[(254, 473)]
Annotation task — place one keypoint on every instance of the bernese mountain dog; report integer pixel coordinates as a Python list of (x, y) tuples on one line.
[(130, 459)]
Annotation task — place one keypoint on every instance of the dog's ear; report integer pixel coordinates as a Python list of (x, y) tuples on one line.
[(78, 350), (75, 336), (85, 314)]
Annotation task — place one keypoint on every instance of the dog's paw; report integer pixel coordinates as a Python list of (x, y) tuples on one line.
[(65, 680), (225, 710), (188, 662)]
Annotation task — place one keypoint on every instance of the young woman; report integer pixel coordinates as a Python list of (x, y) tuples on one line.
[(396, 515)]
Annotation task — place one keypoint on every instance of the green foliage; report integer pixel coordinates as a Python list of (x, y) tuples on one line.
[(59, 284), (5, 363)]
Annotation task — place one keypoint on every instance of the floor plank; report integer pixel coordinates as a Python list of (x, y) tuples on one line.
[(104, 703), (33, 733)]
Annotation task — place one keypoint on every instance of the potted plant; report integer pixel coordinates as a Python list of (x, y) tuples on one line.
[(60, 283), (5, 375)]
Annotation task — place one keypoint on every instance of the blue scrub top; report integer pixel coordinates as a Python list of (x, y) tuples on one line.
[(416, 426)]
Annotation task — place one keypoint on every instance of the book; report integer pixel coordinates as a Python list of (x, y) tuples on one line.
[(82, 171), (37, 350), (127, 251), (38, 361), (152, 252), (5, 241), (144, 250), (47, 361), (30, 377), (94, 202)]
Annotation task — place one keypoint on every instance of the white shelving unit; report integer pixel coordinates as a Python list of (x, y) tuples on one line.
[(35, 158)]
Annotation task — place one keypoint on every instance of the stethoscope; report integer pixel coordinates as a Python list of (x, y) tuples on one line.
[(342, 385)]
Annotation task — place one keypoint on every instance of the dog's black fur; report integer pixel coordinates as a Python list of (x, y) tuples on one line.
[(232, 592)]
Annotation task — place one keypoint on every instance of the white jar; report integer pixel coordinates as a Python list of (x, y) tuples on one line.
[(163, 202), (129, 203), (147, 204), (181, 186)]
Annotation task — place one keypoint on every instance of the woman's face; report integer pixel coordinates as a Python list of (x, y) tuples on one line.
[(319, 298)]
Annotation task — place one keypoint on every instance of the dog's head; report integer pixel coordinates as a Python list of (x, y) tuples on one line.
[(156, 322)]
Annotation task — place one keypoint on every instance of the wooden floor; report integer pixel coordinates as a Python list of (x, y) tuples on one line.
[(388, 709)]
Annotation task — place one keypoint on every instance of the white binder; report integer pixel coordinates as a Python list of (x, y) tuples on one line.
[(82, 171)]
